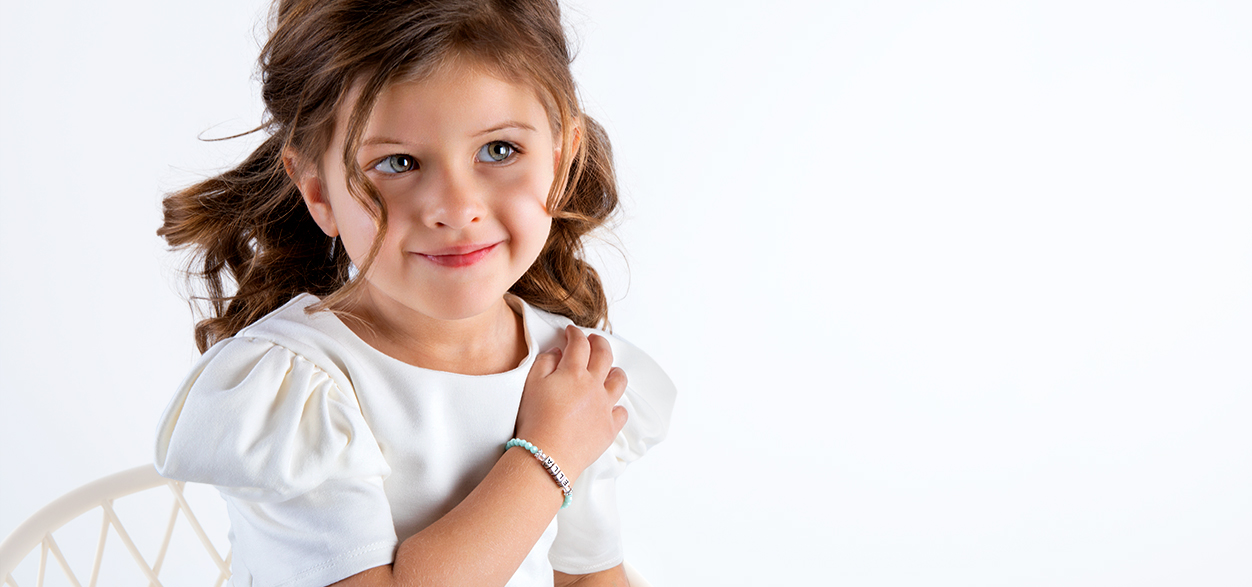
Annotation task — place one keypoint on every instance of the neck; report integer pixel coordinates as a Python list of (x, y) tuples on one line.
[(491, 342)]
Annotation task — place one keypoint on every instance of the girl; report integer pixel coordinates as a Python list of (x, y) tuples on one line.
[(406, 332)]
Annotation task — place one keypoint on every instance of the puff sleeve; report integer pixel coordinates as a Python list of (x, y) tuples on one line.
[(286, 444), (588, 531)]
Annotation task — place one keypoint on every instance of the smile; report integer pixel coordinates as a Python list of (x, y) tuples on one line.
[(463, 256)]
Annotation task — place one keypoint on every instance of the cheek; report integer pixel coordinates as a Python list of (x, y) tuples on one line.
[(528, 210), (543, 227), (531, 221), (541, 181), (356, 227), (537, 204), (358, 236)]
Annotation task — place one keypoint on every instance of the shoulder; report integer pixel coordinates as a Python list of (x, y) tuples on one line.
[(267, 414), (650, 394), (270, 354), (547, 330), (317, 336)]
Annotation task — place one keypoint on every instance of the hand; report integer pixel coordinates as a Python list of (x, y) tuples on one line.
[(568, 405)]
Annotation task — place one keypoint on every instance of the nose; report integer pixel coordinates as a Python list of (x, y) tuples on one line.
[(454, 201)]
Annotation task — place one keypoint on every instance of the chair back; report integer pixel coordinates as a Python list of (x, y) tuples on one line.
[(66, 520), (144, 491)]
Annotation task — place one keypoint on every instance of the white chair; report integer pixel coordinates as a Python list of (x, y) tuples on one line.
[(36, 533)]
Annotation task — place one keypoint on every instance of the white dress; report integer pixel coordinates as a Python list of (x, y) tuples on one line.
[(329, 453)]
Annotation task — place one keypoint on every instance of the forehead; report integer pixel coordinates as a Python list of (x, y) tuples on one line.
[(456, 94)]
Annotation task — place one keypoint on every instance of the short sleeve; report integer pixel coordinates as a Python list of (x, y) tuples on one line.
[(286, 444), (589, 531)]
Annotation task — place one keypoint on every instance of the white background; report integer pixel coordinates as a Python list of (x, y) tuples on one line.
[(954, 293)]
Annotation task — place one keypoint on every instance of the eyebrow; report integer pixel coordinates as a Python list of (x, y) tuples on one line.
[(498, 127), (382, 141), (507, 124)]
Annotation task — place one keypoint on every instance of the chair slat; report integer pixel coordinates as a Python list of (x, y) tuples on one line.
[(165, 542), (224, 575), (65, 566), (43, 563), (130, 544), (104, 536), (177, 488)]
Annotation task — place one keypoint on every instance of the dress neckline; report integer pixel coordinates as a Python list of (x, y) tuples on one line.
[(350, 340)]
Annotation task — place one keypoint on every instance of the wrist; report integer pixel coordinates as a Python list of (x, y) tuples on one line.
[(562, 481), (566, 454)]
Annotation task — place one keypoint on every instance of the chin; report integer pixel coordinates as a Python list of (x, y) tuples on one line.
[(462, 307)]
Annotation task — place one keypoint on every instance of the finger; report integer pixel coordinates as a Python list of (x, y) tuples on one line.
[(577, 349), (546, 363), (619, 419), (615, 383), (601, 358)]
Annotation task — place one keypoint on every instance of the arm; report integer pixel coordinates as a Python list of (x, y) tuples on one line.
[(568, 409)]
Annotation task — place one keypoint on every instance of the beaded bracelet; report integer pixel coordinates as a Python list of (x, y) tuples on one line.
[(548, 464)]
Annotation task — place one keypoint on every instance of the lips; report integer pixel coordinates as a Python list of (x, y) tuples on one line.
[(459, 256)]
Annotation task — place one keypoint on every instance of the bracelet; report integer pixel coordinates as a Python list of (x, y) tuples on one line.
[(548, 464)]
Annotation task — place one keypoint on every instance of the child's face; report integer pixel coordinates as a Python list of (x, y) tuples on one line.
[(464, 162)]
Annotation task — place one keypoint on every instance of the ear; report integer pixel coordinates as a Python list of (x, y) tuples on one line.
[(574, 141), (310, 186)]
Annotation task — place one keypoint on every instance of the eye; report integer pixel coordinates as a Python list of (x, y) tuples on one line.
[(496, 151), (396, 164)]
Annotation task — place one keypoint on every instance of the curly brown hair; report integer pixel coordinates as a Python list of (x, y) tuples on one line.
[(248, 228)]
